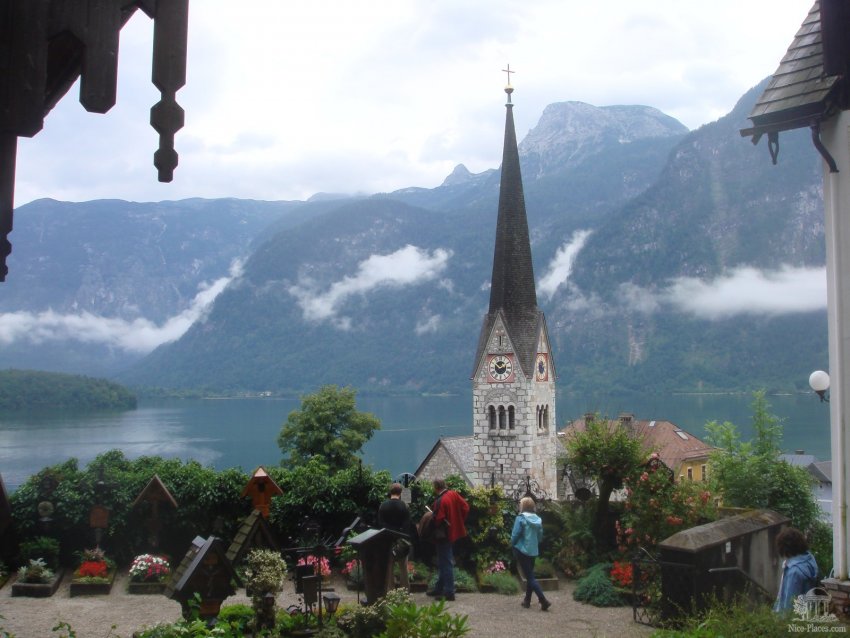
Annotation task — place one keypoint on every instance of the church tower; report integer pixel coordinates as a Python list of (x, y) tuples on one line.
[(513, 382)]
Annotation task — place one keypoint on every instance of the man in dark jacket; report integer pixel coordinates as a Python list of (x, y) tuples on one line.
[(450, 511), (393, 514)]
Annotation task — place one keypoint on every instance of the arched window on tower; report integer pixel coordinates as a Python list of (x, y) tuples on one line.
[(511, 417), (501, 417), (491, 415), (546, 417)]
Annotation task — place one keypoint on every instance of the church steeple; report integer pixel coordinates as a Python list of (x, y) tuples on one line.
[(513, 381), (512, 285), (512, 289)]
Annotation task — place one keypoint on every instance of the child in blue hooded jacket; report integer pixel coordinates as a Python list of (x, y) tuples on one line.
[(799, 570), (525, 540)]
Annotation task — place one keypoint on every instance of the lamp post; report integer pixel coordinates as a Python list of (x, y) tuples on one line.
[(819, 382)]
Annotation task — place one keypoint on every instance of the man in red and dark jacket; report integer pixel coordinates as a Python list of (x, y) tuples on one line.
[(450, 511)]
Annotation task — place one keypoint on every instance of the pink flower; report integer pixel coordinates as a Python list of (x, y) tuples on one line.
[(322, 566)]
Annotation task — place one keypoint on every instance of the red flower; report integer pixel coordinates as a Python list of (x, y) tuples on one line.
[(622, 573), (93, 568)]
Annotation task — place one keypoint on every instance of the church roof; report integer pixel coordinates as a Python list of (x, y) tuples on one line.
[(458, 449), (512, 290)]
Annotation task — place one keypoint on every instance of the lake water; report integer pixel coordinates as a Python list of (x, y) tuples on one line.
[(243, 432)]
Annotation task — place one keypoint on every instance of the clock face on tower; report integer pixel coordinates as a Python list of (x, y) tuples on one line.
[(541, 368), (500, 368)]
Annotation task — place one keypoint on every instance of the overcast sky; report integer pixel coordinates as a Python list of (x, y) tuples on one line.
[(287, 99)]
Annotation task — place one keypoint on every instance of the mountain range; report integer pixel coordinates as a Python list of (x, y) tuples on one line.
[(666, 260)]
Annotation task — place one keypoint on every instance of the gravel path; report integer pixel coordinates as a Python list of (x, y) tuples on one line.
[(490, 615)]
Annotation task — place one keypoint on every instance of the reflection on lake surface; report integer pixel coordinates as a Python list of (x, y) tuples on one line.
[(243, 432)]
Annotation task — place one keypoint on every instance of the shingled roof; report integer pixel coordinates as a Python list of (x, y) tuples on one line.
[(512, 290), (809, 83)]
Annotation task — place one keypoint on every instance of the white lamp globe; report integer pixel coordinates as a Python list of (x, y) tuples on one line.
[(819, 381)]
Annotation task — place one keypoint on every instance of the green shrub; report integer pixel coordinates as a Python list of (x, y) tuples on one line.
[(43, 547), (237, 616), (596, 588), (543, 568), (504, 582), (573, 543), (369, 621), (432, 621), (464, 582), (738, 619), (820, 543)]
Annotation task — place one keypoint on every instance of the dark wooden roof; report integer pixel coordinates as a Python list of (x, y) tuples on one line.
[(155, 490), (806, 87), (512, 290), (254, 533), (210, 550)]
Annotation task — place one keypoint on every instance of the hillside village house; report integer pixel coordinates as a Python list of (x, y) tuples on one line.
[(682, 453)]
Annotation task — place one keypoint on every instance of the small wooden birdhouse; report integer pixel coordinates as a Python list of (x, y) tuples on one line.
[(206, 571), (261, 488)]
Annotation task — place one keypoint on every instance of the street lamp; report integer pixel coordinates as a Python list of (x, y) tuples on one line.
[(819, 382), (331, 602)]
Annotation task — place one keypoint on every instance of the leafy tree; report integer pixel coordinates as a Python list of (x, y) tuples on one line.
[(751, 474), (608, 454), (327, 425), (657, 506)]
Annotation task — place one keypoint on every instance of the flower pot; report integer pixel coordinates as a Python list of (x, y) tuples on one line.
[(93, 589), (418, 587), (38, 590)]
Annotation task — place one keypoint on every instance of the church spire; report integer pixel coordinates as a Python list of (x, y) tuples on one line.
[(512, 285), (512, 291)]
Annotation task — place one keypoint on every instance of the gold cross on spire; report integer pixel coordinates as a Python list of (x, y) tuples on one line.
[(508, 88)]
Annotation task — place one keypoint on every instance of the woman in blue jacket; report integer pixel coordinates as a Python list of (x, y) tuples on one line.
[(799, 569), (525, 540)]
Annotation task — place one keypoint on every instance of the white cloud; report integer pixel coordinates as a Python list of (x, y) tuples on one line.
[(746, 290), (559, 268), (405, 267), (271, 99), (139, 335), (431, 324)]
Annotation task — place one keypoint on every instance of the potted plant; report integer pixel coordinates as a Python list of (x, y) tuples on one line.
[(36, 579), (94, 575), (148, 574)]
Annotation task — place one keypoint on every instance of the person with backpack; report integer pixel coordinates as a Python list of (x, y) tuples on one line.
[(450, 510), (799, 569)]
